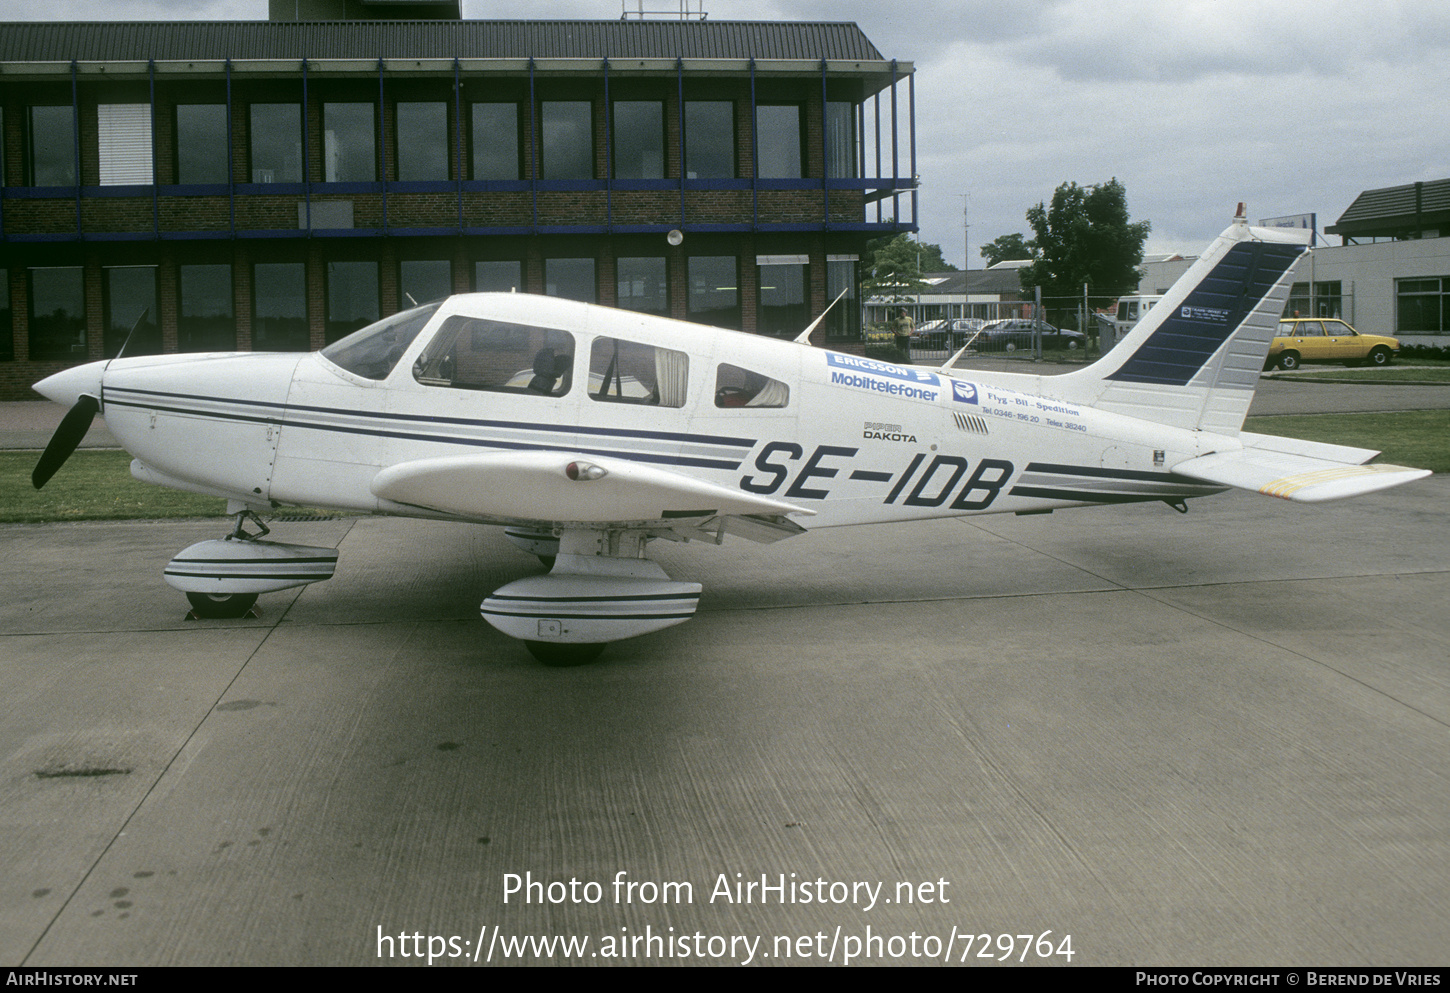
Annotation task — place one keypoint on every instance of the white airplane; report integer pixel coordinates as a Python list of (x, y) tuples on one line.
[(589, 432)]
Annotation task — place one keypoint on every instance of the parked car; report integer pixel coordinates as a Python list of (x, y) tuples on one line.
[(945, 334), (1327, 339), (1014, 333)]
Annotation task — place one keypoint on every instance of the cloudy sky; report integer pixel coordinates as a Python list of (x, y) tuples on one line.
[(1293, 106)]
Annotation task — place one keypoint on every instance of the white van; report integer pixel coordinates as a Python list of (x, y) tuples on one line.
[(1132, 309)]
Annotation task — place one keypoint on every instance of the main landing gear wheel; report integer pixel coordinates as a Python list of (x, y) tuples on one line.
[(561, 655), (221, 604)]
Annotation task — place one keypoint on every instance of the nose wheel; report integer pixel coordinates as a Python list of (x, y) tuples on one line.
[(221, 605)]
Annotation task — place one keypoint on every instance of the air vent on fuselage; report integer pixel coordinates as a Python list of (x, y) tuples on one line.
[(970, 423)]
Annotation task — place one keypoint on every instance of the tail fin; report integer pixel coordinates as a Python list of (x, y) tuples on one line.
[(1195, 360)]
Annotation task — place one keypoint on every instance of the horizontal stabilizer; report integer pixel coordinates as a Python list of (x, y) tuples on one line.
[(557, 488), (1301, 478), (1313, 449)]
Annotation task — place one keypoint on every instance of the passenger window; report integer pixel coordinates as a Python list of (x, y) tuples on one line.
[(1311, 329), (470, 353), (629, 372), (737, 387)]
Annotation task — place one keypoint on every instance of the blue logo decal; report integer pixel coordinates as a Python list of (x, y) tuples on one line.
[(963, 392), (858, 364), (1216, 315)]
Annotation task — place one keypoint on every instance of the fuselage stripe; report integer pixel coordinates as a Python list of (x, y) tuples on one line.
[(1083, 496), (286, 408), (682, 460)]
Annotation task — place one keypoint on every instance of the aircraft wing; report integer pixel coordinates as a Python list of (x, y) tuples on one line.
[(559, 488), (1302, 471)]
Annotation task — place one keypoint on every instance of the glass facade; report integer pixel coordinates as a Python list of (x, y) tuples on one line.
[(505, 276), (783, 311), (52, 145), (567, 130), (129, 297), (7, 320), (279, 307), (421, 282), (206, 315), (841, 140), (844, 319), (496, 149), (639, 139), (642, 285), (500, 177), (57, 313), (201, 143), (1420, 305), (349, 145), (779, 137), (422, 142), (709, 139), (572, 279), (276, 142), (714, 290), (352, 297)]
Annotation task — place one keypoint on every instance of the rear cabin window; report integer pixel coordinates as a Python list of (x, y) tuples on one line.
[(737, 387), (623, 371), (470, 353)]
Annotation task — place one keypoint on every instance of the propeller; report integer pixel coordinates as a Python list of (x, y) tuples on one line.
[(67, 437), (77, 421)]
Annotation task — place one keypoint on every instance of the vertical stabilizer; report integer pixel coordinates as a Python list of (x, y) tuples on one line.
[(1194, 361)]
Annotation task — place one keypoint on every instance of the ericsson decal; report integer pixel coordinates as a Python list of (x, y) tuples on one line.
[(858, 364)]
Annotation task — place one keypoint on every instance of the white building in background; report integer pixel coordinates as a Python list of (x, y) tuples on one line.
[(986, 294)]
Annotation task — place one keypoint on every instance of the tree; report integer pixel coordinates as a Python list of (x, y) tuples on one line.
[(1008, 247), (931, 259), (894, 267), (1086, 237)]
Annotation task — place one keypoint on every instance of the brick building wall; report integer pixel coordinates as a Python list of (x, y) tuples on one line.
[(94, 228)]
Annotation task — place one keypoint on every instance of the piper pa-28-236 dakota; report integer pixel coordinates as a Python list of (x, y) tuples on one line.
[(588, 432)]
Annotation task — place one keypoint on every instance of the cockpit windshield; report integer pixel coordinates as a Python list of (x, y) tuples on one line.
[(373, 351)]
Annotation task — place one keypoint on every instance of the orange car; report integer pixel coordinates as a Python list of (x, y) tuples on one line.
[(1327, 339)]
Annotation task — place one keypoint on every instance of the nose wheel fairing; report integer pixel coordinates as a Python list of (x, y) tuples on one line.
[(218, 574)]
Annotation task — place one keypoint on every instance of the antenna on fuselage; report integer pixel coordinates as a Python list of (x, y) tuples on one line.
[(134, 328), (947, 365), (804, 337)]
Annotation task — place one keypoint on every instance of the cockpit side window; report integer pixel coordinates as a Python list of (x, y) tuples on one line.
[(630, 372), (472, 353), (372, 352), (737, 387)]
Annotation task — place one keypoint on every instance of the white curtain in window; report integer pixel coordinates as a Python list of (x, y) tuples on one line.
[(773, 394), (671, 368), (125, 143)]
